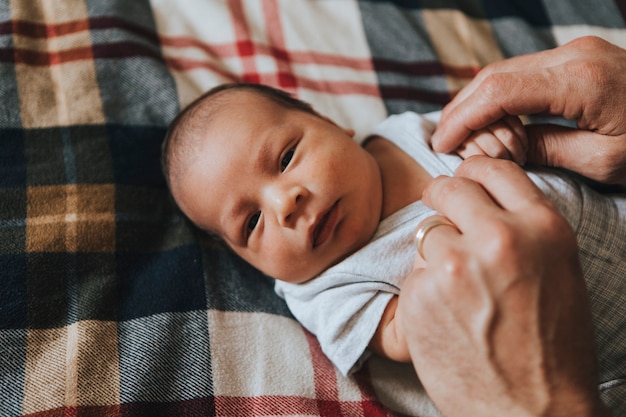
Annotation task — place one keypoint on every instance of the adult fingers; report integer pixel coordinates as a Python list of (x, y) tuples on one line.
[(535, 60), (499, 95), (525, 84), (532, 61), (465, 202), (599, 157), (505, 182)]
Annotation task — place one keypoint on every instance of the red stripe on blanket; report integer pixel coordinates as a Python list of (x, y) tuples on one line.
[(327, 393), (50, 57), (321, 58), (244, 47), (334, 87), (38, 58), (288, 405), (82, 411), (371, 405), (110, 50), (285, 77), (192, 64), (228, 50), (272, 405), (325, 379), (339, 87), (280, 54), (41, 30)]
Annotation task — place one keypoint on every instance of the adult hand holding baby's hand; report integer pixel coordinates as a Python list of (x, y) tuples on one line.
[(584, 80), (498, 322), (504, 139)]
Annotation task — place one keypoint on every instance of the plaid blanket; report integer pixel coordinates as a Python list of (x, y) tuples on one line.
[(110, 303)]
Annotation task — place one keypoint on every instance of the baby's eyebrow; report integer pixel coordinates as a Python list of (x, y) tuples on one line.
[(236, 211), (264, 156), (240, 208)]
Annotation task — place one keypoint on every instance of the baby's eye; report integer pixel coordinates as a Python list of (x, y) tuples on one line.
[(252, 222), (284, 162)]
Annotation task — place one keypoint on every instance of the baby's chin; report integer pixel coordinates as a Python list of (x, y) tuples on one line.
[(320, 270), (299, 277)]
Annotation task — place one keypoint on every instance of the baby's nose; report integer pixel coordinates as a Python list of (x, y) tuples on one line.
[(286, 202)]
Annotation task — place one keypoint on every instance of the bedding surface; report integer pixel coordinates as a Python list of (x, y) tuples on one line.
[(111, 303)]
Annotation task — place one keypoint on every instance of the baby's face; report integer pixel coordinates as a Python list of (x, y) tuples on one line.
[(288, 191)]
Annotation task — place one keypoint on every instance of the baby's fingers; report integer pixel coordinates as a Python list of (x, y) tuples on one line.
[(514, 137), (483, 142), (505, 139)]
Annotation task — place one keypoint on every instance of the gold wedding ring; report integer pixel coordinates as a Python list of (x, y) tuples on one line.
[(421, 233)]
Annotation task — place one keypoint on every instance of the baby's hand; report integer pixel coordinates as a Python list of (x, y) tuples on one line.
[(505, 139)]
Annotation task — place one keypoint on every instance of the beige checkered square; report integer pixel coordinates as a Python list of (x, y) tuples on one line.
[(71, 218), (71, 366), (55, 71)]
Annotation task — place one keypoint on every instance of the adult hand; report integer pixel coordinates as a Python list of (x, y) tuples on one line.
[(499, 322), (584, 80)]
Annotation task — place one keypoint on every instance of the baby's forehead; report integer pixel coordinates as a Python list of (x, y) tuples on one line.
[(227, 105), (226, 114)]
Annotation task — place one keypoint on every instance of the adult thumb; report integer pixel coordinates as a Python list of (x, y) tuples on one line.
[(591, 154)]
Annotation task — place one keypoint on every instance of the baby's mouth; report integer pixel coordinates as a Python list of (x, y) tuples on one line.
[(325, 226)]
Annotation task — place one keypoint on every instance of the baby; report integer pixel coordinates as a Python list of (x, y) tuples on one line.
[(333, 220)]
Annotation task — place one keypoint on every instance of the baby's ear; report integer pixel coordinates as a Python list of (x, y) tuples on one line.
[(349, 132)]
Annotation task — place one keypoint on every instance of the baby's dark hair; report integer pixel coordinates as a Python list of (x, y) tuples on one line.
[(182, 135)]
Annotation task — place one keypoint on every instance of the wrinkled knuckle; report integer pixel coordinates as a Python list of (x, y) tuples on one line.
[(491, 87), (591, 43), (454, 268)]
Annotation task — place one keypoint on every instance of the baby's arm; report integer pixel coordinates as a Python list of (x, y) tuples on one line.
[(505, 139), (388, 341)]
